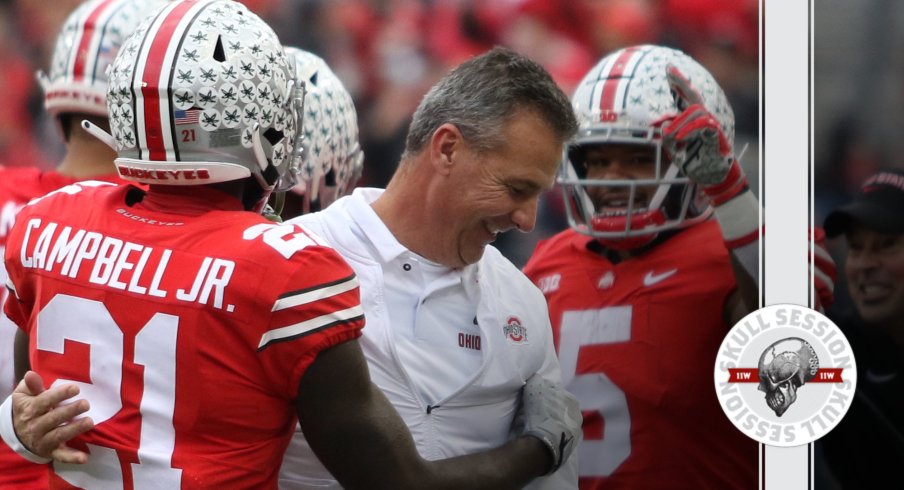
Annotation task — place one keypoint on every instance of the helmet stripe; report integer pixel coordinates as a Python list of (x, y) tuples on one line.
[(87, 45), (98, 44), (167, 32), (621, 65)]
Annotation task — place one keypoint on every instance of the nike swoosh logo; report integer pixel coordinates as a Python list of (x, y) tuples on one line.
[(651, 279)]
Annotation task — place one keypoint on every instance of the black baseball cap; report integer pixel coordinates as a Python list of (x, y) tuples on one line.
[(879, 206)]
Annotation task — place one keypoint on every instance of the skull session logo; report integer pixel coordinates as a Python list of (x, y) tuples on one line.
[(785, 375)]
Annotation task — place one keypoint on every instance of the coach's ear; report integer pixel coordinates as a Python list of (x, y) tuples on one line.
[(446, 145)]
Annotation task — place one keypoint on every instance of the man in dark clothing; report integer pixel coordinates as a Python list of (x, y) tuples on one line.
[(867, 447)]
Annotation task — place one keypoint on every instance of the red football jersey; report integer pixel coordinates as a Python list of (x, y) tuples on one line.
[(18, 186), (188, 333), (637, 344)]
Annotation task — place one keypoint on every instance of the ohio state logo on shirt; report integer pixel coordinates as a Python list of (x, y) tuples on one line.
[(514, 331)]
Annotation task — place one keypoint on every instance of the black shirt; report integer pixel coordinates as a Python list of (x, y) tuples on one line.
[(866, 449)]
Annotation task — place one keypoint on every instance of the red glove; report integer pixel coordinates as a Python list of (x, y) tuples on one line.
[(696, 144)]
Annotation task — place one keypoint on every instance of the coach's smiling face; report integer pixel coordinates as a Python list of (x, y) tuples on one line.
[(875, 275)]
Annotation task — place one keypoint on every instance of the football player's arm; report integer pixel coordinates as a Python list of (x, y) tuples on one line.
[(21, 364), (695, 142), (363, 442), (746, 297), (17, 310), (824, 274)]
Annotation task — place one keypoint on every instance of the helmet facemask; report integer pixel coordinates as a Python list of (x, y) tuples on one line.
[(331, 160), (625, 100), (626, 213)]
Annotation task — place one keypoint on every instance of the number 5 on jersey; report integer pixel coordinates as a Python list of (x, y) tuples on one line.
[(597, 395)]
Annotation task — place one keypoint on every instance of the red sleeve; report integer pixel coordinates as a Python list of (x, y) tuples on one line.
[(318, 307), (14, 308), (537, 260)]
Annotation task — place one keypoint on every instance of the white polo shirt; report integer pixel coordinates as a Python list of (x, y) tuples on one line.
[(450, 348), (431, 313)]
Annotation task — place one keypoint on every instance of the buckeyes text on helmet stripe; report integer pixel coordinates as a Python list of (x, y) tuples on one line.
[(164, 36), (612, 91), (88, 39)]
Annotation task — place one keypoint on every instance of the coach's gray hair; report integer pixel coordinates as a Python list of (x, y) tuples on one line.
[(481, 94)]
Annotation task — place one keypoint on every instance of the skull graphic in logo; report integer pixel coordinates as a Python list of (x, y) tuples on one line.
[(784, 367)]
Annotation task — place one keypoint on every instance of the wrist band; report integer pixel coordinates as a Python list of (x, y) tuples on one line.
[(734, 183), (8, 433), (739, 219)]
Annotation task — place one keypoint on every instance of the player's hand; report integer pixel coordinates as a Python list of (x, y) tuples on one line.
[(695, 142), (43, 424), (825, 271), (551, 414), (694, 139)]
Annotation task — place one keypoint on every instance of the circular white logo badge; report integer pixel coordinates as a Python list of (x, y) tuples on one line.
[(785, 375)]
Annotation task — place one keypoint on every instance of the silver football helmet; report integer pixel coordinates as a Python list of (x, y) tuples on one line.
[(624, 100), (203, 93), (86, 45), (331, 161)]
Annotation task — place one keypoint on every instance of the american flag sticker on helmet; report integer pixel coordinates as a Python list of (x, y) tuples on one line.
[(188, 116)]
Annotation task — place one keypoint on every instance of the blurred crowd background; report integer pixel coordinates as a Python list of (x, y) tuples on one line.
[(858, 82), (389, 52)]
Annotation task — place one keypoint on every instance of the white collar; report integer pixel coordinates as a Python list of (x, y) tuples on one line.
[(375, 231)]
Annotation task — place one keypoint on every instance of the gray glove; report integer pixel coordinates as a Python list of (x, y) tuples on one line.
[(551, 414)]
